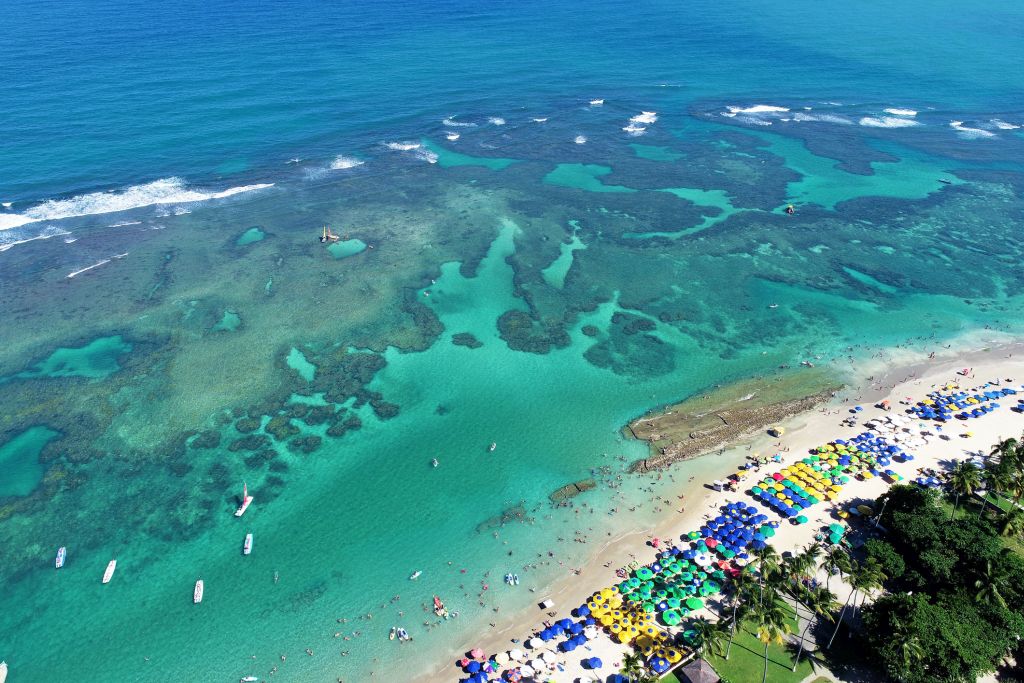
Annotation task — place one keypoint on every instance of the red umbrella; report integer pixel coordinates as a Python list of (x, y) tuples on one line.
[(463, 662), (777, 476), (711, 542)]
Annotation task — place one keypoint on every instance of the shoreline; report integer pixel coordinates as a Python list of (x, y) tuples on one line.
[(893, 373)]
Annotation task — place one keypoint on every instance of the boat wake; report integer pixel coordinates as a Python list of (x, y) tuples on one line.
[(164, 191), (46, 234), (96, 265)]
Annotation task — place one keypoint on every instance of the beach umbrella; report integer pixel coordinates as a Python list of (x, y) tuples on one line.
[(528, 671), (836, 528), (502, 658), (516, 654), (801, 519), (472, 667), (595, 663), (534, 643), (537, 665), (476, 653), (694, 603), (549, 657), (478, 677)]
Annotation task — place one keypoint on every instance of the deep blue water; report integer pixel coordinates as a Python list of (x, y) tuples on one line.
[(99, 95)]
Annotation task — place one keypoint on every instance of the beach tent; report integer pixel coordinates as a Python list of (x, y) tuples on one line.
[(698, 671)]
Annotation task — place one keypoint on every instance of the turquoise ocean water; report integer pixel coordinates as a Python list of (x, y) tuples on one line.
[(554, 218)]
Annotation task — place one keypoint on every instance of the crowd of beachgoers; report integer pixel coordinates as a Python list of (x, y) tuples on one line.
[(811, 493)]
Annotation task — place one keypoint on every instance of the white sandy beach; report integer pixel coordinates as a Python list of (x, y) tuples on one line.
[(907, 377)]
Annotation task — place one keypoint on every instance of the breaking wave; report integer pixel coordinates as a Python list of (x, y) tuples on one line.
[(342, 162), (887, 122), (164, 191), (970, 133)]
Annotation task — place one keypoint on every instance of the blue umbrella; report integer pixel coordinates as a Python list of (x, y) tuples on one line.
[(473, 667), (595, 663)]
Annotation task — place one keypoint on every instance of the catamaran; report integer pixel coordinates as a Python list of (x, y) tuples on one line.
[(111, 566), (62, 554), (197, 594), (246, 501), (247, 546)]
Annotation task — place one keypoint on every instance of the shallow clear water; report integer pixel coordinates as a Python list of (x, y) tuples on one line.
[(536, 283)]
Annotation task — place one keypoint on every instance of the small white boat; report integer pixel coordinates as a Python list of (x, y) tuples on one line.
[(248, 679), (394, 630), (197, 594), (773, 306), (246, 501), (62, 554), (111, 566), (415, 575), (247, 545), (508, 579), (434, 463), (492, 446), (3, 672), (596, 103), (515, 579)]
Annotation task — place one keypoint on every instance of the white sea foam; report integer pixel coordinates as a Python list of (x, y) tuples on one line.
[(1003, 125), (123, 224), (634, 129), (541, 120), (402, 146), (970, 133), (426, 155), (452, 123), (887, 122), (8, 205), (70, 240), (821, 118), (165, 191), (342, 162), (757, 109), (46, 234), (453, 136), (645, 117), (753, 121), (596, 103), (900, 112), (580, 140), (496, 120)]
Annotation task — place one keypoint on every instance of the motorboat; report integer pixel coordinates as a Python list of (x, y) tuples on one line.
[(109, 573), (403, 635), (492, 446), (439, 608), (394, 630), (3, 672), (62, 554), (248, 679), (197, 594), (246, 501), (515, 579), (247, 545), (434, 463), (415, 575), (508, 579)]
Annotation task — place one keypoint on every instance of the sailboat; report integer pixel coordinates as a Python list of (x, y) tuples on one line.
[(247, 545), (328, 236), (197, 594), (246, 501), (111, 566), (62, 554)]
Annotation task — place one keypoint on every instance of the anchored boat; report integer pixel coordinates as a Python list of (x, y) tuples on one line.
[(197, 594), (111, 566), (246, 501), (492, 446), (247, 546), (62, 554)]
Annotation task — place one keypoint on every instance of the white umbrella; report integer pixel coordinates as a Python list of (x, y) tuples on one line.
[(549, 657), (501, 658), (534, 643), (590, 632), (527, 671), (537, 664), (515, 654)]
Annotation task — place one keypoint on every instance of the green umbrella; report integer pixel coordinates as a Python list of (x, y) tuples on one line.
[(674, 603), (644, 573), (801, 519), (648, 607), (670, 617), (836, 528), (694, 535), (835, 538), (729, 554), (694, 603)]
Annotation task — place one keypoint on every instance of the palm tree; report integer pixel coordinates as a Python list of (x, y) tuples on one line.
[(911, 655), (770, 619), (709, 637), (632, 666), (1013, 522), (863, 577), (997, 477), (767, 566), (1005, 449), (742, 585), (821, 602), (964, 478), (990, 584), (836, 559)]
